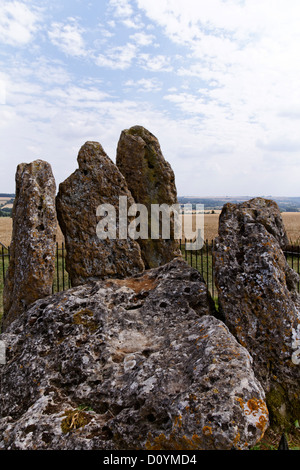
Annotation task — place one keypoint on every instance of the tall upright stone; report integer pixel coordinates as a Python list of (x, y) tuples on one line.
[(96, 182), (259, 301), (32, 251), (151, 180)]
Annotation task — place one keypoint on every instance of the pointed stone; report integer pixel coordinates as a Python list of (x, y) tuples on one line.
[(151, 180), (97, 181), (32, 250)]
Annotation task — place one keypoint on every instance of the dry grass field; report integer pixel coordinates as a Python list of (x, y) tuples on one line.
[(291, 221), (5, 202), (6, 231)]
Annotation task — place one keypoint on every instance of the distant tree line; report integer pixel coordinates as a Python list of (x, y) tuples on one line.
[(285, 204), (289, 209), (6, 212)]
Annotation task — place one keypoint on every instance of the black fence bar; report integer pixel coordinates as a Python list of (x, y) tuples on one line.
[(207, 263), (63, 264), (57, 266)]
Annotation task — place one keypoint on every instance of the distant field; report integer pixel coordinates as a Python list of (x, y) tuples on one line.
[(291, 221), (6, 230), (4, 200)]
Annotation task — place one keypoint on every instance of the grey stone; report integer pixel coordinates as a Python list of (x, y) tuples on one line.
[(135, 363), (32, 251), (97, 181), (258, 299), (150, 180)]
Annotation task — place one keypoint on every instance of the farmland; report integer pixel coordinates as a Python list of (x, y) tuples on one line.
[(291, 221)]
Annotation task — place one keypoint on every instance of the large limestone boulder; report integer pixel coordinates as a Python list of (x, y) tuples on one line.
[(137, 363), (32, 251), (258, 299), (151, 180), (96, 182)]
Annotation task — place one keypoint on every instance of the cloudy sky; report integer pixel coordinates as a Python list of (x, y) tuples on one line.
[(216, 81)]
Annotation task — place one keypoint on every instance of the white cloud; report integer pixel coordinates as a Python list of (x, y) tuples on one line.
[(283, 145), (142, 39), (232, 18), (122, 8), (130, 23), (144, 85), (155, 63), (229, 104), (77, 97), (2, 90), (119, 57), (18, 22), (124, 13), (68, 37), (245, 58)]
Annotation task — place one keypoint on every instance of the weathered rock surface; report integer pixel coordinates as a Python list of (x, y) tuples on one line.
[(138, 363), (258, 299), (97, 181), (150, 180), (32, 251)]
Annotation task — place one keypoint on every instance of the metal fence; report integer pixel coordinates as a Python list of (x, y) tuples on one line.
[(202, 260)]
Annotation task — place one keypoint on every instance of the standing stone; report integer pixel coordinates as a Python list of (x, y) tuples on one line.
[(258, 299), (32, 250), (97, 181), (151, 180)]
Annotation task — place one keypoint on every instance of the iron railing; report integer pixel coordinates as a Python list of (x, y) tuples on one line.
[(201, 259)]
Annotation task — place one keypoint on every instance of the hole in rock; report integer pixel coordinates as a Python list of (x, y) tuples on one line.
[(151, 418)]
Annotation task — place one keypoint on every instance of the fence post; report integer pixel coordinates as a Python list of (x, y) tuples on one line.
[(207, 264), (63, 264), (57, 267), (212, 268)]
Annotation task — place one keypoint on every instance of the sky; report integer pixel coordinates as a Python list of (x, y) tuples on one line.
[(216, 81)]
